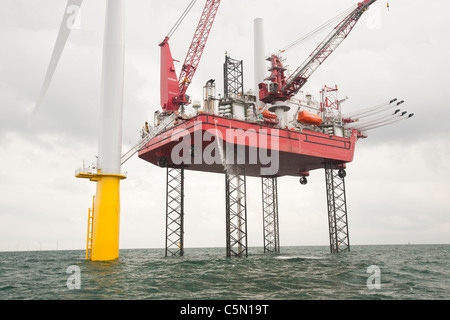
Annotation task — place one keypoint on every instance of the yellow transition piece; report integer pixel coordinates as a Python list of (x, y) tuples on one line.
[(106, 219)]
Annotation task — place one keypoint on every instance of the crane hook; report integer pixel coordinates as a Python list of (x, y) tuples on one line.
[(387, 5)]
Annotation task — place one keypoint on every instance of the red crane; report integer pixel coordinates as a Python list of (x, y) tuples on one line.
[(173, 91), (280, 89)]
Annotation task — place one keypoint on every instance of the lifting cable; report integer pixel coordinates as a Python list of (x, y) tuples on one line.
[(319, 29), (180, 20)]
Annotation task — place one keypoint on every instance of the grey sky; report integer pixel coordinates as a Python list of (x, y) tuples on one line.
[(397, 185)]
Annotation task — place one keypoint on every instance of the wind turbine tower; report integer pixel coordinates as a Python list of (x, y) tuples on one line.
[(104, 216), (103, 228)]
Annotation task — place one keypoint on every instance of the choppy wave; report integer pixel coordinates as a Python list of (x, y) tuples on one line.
[(405, 272)]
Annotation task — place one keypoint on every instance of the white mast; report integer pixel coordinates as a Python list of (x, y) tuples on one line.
[(259, 56), (111, 108)]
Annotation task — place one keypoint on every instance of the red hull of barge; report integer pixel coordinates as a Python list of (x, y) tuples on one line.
[(298, 152)]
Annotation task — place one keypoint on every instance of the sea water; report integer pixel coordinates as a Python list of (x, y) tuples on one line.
[(297, 273)]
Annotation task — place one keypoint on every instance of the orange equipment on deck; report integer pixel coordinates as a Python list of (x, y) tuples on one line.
[(309, 118), (269, 117)]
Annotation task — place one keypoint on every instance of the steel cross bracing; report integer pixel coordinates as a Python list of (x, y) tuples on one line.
[(175, 212), (270, 215), (236, 211), (337, 208), (233, 77)]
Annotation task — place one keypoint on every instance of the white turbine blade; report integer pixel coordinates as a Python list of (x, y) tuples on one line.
[(359, 112), (370, 110), (382, 124), (367, 114), (365, 122), (393, 119), (64, 31), (371, 113)]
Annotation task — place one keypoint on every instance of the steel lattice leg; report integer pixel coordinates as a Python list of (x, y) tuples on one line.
[(236, 212), (337, 209), (270, 215), (175, 212)]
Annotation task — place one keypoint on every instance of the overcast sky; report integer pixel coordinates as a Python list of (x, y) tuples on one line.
[(397, 185)]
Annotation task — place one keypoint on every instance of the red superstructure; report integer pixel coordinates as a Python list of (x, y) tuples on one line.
[(298, 152)]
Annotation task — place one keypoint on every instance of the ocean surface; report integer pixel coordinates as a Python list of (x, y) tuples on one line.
[(298, 273)]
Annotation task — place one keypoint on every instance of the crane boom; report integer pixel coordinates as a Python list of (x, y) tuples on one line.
[(173, 91), (198, 44), (286, 90)]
